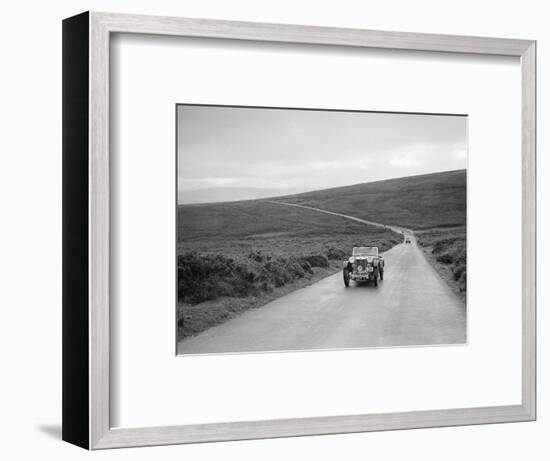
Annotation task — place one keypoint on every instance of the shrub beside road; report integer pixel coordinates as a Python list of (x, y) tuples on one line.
[(446, 250)]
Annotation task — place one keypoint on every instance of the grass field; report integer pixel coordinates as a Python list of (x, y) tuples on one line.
[(417, 202), (239, 255)]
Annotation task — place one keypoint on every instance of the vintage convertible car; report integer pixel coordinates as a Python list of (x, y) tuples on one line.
[(363, 266)]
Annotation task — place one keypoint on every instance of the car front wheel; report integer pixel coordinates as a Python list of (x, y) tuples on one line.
[(346, 277)]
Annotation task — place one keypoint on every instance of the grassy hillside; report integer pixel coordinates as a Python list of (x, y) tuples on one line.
[(418, 202), (239, 255), (211, 227)]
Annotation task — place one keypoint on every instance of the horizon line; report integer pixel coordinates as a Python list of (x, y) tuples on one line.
[(308, 191)]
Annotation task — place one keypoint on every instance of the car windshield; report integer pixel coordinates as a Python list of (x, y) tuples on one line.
[(365, 251)]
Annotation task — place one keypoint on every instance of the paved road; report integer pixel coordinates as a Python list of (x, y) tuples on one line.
[(412, 306)]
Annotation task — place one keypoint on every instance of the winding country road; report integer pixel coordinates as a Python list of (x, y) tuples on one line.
[(412, 306)]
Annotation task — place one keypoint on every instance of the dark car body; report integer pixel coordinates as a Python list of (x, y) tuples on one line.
[(365, 265)]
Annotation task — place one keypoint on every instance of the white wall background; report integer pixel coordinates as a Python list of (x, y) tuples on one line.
[(30, 234)]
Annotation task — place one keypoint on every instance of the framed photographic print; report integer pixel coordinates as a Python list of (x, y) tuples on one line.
[(275, 230), (304, 210)]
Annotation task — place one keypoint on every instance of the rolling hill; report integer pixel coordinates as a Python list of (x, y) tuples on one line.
[(417, 202), (434, 205), (233, 256)]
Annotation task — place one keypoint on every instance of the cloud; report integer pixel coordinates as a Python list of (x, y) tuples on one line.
[(460, 153), (404, 160), (205, 182), (225, 146)]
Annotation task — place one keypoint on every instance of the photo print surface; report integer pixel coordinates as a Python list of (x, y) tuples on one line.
[(305, 229)]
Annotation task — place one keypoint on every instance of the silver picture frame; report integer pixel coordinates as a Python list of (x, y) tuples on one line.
[(86, 230)]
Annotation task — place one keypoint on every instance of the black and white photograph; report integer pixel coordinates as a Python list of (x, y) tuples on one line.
[(304, 229)]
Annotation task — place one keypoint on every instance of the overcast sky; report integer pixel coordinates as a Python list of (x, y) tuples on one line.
[(289, 149)]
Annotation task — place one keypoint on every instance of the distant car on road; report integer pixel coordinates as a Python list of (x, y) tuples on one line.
[(365, 265), (407, 240)]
